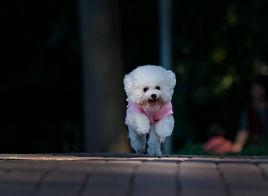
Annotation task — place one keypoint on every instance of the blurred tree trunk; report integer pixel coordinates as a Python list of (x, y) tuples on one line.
[(102, 76)]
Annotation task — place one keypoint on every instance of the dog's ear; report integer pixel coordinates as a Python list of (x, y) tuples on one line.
[(171, 78), (128, 82)]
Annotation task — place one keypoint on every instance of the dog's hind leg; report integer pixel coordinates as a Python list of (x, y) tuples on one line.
[(137, 142), (154, 145)]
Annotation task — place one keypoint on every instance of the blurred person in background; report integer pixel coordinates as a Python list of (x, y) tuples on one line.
[(253, 123)]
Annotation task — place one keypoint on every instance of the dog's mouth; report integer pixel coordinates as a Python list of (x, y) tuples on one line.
[(154, 102), (152, 105)]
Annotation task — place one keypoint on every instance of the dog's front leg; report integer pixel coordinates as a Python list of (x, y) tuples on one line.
[(139, 126), (139, 121), (164, 127)]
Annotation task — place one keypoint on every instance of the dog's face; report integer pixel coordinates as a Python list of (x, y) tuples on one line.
[(149, 85)]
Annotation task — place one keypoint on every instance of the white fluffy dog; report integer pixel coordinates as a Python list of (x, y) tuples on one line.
[(149, 90)]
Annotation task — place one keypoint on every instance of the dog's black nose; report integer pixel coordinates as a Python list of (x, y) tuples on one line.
[(153, 96)]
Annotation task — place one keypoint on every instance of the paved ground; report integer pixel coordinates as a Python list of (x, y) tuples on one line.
[(126, 174)]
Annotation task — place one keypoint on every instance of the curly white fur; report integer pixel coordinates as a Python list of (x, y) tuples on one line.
[(140, 85)]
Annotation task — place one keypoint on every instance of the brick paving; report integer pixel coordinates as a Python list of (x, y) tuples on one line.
[(130, 175)]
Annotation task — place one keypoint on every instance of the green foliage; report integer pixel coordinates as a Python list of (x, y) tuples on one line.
[(219, 46)]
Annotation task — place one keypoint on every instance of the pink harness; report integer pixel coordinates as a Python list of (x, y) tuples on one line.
[(153, 116)]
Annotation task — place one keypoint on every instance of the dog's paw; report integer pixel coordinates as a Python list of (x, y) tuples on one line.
[(157, 154), (162, 139), (141, 131)]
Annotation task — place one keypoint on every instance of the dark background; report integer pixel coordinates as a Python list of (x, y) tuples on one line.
[(41, 85), (217, 48)]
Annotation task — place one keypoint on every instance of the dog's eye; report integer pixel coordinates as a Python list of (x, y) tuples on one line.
[(157, 87), (145, 89)]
